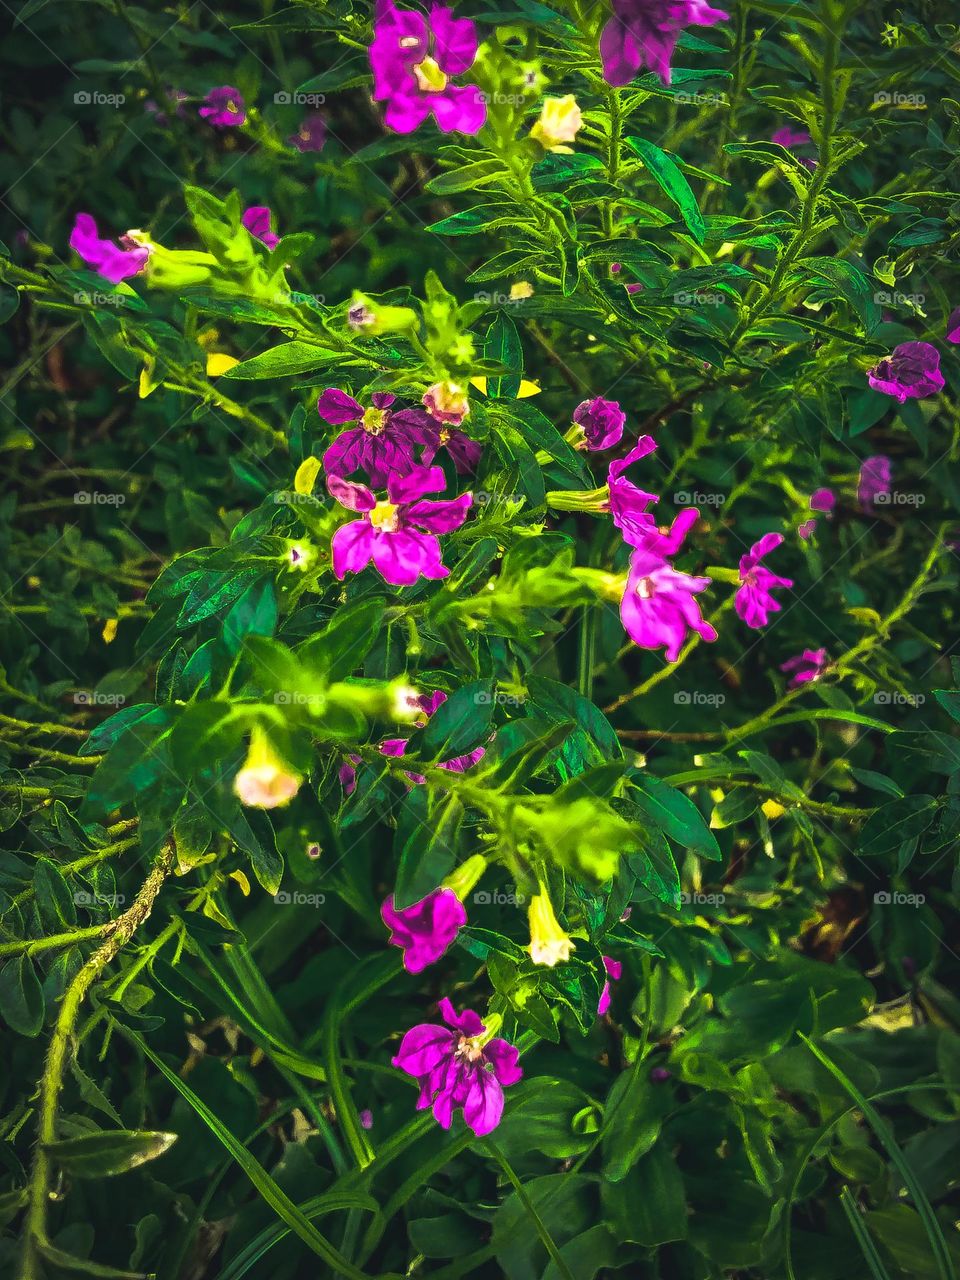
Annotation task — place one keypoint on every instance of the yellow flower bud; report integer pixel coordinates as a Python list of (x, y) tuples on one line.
[(560, 121), (265, 781), (549, 945)]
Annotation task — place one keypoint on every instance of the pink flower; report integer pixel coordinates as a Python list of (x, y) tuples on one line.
[(398, 535), (874, 480), (806, 666), (257, 221), (224, 107), (658, 606), (413, 60), (464, 452), (113, 263), (823, 500), (312, 134), (428, 704), (792, 139), (754, 602), (455, 1068), (614, 969), (953, 326), (384, 443), (644, 33), (628, 506), (426, 929), (176, 98), (447, 402), (910, 373), (602, 422), (806, 529)]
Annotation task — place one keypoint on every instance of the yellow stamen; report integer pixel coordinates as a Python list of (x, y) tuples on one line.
[(384, 516)]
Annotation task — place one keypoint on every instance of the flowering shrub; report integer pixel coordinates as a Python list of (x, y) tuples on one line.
[(479, 749)]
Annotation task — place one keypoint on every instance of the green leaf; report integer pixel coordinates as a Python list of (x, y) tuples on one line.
[(631, 1124), (54, 896), (468, 177), (893, 824), (667, 173), (459, 725), (102, 1155), (21, 997), (340, 648), (675, 814), (427, 836), (282, 362), (502, 344)]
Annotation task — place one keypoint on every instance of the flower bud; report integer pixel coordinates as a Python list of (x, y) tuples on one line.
[(560, 120), (447, 402), (549, 945), (265, 781), (370, 319)]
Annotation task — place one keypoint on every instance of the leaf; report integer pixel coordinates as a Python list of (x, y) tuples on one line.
[(254, 614), (893, 824), (467, 177), (104, 1154), (427, 836), (667, 173), (84, 1266), (631, 1123), (21, 997), (340, 648), (460, 724), (502, 344), (54, 896), (675, 814), (282, 362)]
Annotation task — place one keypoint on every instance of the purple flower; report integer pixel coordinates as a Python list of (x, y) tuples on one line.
[(224, 107), (911, 372), (602, 422), (658, 606), (112, 262), (644, 33), (428, 704), (806, 666), (464, 452), (823, 500), (426, 929), (366, 1118), (792, 139), (953, 326), (628, 506), (455, 1068), (874, 481), (384, 443), (312, 134), (659, 1074), (614, 969), (398, 535), (257, 221), (806, 529), (754, 602), (412, 61)]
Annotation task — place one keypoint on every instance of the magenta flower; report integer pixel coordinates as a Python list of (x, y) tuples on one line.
[(614, 969), (953, 326), (658, 606), (455, 1068), (257, 221), (754, 601), (464, 452), (413, 60), (910, 373), (400, 534), (628, 506), (792, 139), (312, 134), (384, 443), (805, 666), (806, 529), (112, 262), (224, 107), (874, 481), (644, 33), (602, 422), (426, 929), (823, 500)]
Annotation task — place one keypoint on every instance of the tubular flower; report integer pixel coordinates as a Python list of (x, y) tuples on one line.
[(400, 534), (601, 422), (224, 107), (447, 402), (658, 606), (458, 1066), (413, 60), (644, 33), (312, 134), (265, 781), (549, 944), (257, 221), (754, 601), (383, 444), (113, 263), (911, 372), (613, 970), (874, 479), (806, 666), (426, 929), (560, 121)]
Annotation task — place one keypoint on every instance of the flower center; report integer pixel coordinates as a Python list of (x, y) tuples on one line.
[(645, 589), (232, 106), (384, 516), (374, 420), (444, 436), (469, 1049), (429, 76)]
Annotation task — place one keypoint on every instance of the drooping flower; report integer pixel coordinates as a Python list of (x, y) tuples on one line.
[(911, 372), (447, 402), (459, 1066), (257, 221), (614, 969), (754, 601), (224, 107), (400, 534), (426, 929), (413, 60), (112, 262), (312, 134), (549, 943), (265, 780), (658, 608), (805, 666), (385, 442), (464, 452), (874, 480), (560, 121), (953, 326), (644, 33), (601, 422)]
